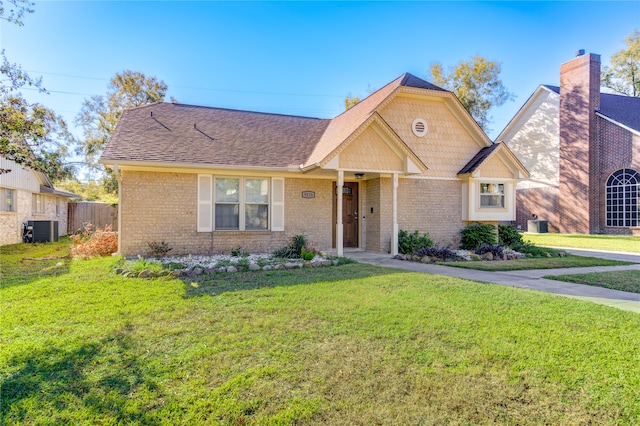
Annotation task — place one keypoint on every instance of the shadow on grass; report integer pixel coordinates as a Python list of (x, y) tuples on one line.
[(98, 377), (218, 283)]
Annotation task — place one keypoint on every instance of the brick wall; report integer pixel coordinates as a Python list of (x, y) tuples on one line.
[(579, 96), (433, 207), (544, 202), (619, 149), (163, 207)]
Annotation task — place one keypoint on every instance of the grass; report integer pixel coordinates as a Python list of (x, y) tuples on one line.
[(352, 344), (568, 261), (580, 241), (616, 280)]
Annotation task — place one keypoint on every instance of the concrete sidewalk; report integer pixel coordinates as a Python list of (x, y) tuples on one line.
[(531, 279)]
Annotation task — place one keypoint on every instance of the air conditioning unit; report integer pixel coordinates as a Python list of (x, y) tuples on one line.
[(537, 226), (44, 231)]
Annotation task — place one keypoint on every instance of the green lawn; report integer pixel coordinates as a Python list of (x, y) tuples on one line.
[(596, 242), (568, 261), (353, 344), (617, 280)]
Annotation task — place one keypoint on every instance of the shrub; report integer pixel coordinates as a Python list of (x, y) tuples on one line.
[(410, 243), (307, 255), (158, 249), (509, 236), (533, 250), (102, 242), (476, 234), (293, 250), (495, 249), (441, 253)]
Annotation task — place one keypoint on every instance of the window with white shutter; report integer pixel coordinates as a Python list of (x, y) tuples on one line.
[(277, 204), (205, 203)]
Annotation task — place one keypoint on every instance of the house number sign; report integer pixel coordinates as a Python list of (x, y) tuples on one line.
[(308, 194)]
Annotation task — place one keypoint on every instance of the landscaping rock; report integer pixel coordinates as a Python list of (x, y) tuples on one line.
[(119, 271), (175, 273), (487, 256), (144, 274), (426, 259), (326, 263), (279, 266), (562, 254), (267, 267), (291, 265), (232, 268), (254, 267)]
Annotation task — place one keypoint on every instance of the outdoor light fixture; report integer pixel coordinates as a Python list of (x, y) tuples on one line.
[(359, 175)]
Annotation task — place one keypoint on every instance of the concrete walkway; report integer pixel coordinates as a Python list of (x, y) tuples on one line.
[(531, 279)]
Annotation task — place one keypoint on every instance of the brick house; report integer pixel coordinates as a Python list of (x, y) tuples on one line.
[(582, 148), (28, 195), (208, 180)]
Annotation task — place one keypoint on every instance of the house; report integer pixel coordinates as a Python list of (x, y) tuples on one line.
[(582, 148), (28, 195), (208, 180)]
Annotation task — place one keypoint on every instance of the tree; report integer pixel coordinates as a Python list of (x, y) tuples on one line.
[(16, 12), (30, 134), (623, 76), (99, 115), (476, 83)]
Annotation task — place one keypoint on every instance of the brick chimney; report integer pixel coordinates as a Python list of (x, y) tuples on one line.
[(579, 100)]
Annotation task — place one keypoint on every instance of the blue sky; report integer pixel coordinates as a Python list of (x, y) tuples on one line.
[(302, 58)]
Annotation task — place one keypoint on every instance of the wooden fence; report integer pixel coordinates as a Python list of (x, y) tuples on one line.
[(97, 214)]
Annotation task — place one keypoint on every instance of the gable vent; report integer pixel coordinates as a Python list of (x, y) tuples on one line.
[(419, 127)]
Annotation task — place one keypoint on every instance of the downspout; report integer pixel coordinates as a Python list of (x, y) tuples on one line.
[(118, 175)]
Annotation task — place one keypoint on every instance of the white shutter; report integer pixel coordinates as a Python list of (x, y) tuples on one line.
[(205, 203), (277, 204)]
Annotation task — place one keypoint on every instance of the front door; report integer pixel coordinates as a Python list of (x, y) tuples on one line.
[(349, 214)]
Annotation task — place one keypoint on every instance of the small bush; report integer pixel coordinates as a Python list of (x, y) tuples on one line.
[(533, 250), (307, 255), (509, 236), (476, 234), (436, 252), (158, 249), (411, 243), (293, 250), (101, 242), (495, 249)]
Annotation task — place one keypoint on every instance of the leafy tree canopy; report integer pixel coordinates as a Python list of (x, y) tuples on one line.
[(476, 83), (350, 102), (100, 114), (623, 76)]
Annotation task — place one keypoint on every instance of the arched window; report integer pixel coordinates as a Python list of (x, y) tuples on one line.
[(623, 198)]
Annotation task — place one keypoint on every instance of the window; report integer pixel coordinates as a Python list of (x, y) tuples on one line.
[(492, 195), (38, 203), (623, 198), (239, 203), (8, 200)]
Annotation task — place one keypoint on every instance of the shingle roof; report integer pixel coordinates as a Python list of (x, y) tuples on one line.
[(178, 133), (622, 109), (477, 160)]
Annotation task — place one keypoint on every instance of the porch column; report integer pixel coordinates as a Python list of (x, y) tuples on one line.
[(394, 215), (339, 230)]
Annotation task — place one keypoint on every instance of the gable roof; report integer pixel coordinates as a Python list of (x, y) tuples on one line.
[(488, 152), (179, 135), (345, 124), (479, 158), (621, 110), (624, 110)]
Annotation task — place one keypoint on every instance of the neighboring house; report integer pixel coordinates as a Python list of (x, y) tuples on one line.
[(208, 180), (25, 195), (582, 148)]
